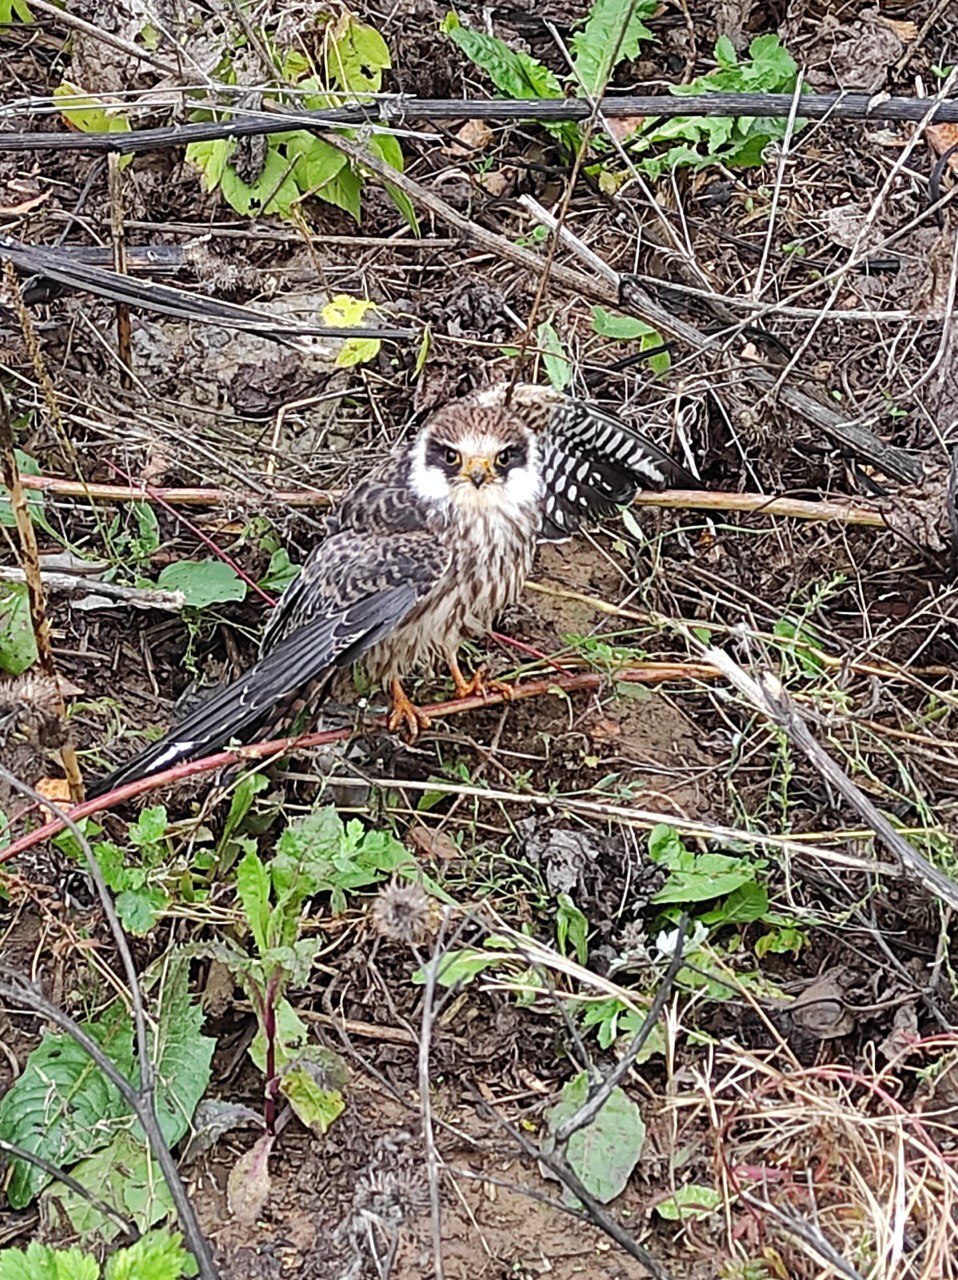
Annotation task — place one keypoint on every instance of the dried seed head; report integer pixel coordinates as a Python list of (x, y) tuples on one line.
[(30, 708), (401, 912)]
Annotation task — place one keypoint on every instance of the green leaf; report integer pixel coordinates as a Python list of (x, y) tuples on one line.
[(464, 965), (689, 1202), (604, 1152), (252, 888), (611, 34), (88, 113), (743, 905), (705, 140), (516, 74), (35, 498), (203, 582), (557, 366), (150, 827), (274, 190), (318, 163), (280, 573), (356, 55), (9, 10), (344, 191), (612, 325), (18, 646), (40, 1261), (125, 1176), (139, 909), (155, 1256), (315, 1106), (387, 147), (62, 1104), (725, 54), (181, 1054), (572, 926)]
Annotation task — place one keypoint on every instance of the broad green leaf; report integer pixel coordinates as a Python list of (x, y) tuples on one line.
[(743, 905), (125, 1176), (557, 366), (40, 1261), (356, 55), (612, 325), (19, 10), (292, 1037), (318, 162), (705, 140), (315, 1106), (274, 191), (572, 926), (516, 74), (387, 147), (280, 573), (604, 1152), (611, 34), (700, 884), (203, 582), (35, 498), (150, 827), (62, 1105), (155, 1256), (464, 965), (181, 1054), (252, 888), (90, 114), (345, 192), (139, 909), (211, 159), (18, 646), (689, 1202)]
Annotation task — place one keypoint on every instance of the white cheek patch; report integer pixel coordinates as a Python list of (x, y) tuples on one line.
[(523, 485), (428, 482)]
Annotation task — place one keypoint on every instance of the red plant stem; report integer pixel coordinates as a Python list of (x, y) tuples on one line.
[(269, 1031), (647, 673), (155, 496)]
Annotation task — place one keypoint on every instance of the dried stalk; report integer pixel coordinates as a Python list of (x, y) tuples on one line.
[(30, 564)]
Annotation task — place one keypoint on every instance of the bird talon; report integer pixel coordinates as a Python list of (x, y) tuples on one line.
[(479, 685), (406, 713)]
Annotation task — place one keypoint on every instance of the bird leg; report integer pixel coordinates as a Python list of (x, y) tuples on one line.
[(405, 712), (478, 684)]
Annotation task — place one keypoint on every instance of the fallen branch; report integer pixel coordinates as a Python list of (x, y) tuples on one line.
[(390, 112), (30, 574), (768, 697), (839, 508), (72, 584), (645, 673)]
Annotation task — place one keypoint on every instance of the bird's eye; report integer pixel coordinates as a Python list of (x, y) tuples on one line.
[(505, 457), (452, 458)]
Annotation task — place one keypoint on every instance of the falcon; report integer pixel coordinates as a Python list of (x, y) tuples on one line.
[(423, 553)]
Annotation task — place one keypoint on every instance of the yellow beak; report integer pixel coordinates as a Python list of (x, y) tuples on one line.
[(478, 470)]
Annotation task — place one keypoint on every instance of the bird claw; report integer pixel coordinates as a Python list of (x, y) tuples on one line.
[(406, 713), (480, 686)]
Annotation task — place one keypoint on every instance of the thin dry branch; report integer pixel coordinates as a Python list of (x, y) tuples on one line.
[(838, 508), (644, 673), (769, 697), (30, 568), (390, 112)]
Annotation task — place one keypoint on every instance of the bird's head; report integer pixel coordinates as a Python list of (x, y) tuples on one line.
[(478, 458)]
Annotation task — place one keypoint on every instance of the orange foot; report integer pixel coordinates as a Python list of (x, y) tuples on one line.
[(405, 712), (478, 684)]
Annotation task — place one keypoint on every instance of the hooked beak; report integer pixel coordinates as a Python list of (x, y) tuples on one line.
[(478, 470)]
